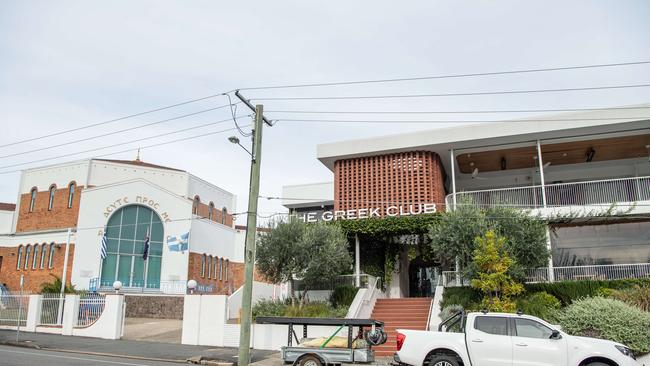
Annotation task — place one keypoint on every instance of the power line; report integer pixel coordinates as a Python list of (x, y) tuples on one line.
[(449, 76), (499, 92), (120, 144), (458, 121), (111, 120), (114, 132), (457, 111)]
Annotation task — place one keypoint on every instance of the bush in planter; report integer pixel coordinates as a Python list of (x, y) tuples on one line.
[(466, 297), (450, 310), (269, 308), (343, 296), (608, 319), (638, 296), (569, 291), (539, 304)]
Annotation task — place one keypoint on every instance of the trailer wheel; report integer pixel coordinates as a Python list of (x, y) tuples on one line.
[(310, 360), (442, 360)]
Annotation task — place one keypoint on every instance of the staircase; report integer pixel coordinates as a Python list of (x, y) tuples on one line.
[(405, 313)]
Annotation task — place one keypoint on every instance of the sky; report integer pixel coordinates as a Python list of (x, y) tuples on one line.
[(68, 64)]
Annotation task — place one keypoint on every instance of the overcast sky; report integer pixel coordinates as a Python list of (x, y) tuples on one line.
[(66, 64)]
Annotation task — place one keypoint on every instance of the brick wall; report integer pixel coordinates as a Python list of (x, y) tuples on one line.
[(41, 218), (204, 211), (157, 307), (402, 179), (222, 287), (34, 278)]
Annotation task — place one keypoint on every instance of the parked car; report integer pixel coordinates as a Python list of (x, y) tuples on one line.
[(499, 339)]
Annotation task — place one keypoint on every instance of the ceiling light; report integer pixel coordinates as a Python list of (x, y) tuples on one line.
[(590, 154)]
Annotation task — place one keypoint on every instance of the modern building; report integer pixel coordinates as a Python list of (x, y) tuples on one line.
[(73, 208), (593, 166)]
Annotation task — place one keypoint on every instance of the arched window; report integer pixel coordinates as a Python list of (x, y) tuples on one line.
[(35, 257), (43, 251), (220, 269), (210, 210), (224, 214), (50, 203), (28, 251), (209, 266), (32, 200), (195, 205), (20, 256), (126, 231), (204, 259), (227, 269), (216, 268), (71, 188), (50, 260)]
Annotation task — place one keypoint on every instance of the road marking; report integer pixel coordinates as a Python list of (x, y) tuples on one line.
[(73, 358)]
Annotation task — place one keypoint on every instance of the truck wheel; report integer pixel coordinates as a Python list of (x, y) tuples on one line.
[(310, 361), (442, 360)]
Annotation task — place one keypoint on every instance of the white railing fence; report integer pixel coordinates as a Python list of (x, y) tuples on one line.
[(606, 191), (52, 306), (13, 308), (570, 273), (91, 307)]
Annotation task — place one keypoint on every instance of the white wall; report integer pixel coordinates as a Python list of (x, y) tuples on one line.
[(213, 238), (309, 194), (106, 173), (98, 203), (60, 174), (208, 192), (6, 221), (59, 236)]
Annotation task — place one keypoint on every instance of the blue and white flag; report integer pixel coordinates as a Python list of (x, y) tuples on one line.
[(145, 253), (178, 243), (103, 248)]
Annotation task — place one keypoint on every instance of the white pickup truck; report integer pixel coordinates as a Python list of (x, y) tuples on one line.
[(499, 339)]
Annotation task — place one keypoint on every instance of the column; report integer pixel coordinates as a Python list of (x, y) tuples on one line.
[(541, 173), (357, 261), (453, 178)]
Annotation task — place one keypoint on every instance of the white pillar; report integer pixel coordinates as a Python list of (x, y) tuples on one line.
[(551, 272), (33, 312), (64, 276), (453, 178), (357, 261), (70, 313), (541, 172)]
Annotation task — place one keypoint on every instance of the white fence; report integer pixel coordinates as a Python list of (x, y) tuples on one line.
[(51, 312), (606, 191), (91, 307), (13, 309), (572, 273)]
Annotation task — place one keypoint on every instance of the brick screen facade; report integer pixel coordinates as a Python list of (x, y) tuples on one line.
[(41, 218), (34, 277), (401, 179)]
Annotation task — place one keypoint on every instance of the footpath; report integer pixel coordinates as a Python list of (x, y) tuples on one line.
[(144, 350)]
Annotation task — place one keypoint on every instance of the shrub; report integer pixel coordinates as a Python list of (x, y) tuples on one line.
[(310, 310), (450, 310), (343, 296), (54, 287), (638, 296), (466, 297), (569, 291), (268, 308), (539, 304), (608, 319)]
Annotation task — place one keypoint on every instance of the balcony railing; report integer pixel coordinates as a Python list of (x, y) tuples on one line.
[(574, 273), (595, 192)]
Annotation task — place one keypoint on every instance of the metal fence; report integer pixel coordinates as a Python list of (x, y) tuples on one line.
[(91, 306), (13, 308), (606, 191), (572, 273), (52, 309)]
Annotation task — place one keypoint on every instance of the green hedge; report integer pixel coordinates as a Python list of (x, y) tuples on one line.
[(569, 291), (314, 309)]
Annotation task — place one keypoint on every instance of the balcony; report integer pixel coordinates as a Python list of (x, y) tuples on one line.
[(597, 192)]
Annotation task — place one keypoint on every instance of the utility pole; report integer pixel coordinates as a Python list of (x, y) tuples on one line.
[(251, 231)]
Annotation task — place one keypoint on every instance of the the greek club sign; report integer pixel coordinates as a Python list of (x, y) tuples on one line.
[(366, 213)]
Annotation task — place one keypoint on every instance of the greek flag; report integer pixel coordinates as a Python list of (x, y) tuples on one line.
[(145, 253), (178, 243), (103, 254)]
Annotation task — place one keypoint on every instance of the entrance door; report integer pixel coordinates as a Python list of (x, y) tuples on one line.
[(423, 277)]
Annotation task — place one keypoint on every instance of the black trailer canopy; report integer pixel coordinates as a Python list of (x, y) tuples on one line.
[(317, 321)]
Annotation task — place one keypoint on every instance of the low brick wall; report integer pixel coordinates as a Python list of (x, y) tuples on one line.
[(158, 307)]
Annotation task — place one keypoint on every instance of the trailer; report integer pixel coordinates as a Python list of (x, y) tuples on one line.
[(369, 330)]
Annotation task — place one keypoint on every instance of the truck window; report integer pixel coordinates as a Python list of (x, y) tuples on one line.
[(531, 329), (492, 324)]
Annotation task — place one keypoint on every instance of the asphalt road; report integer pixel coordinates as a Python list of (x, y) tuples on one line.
[(17, 356)]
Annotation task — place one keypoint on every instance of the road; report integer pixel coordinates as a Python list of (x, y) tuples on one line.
[(17, 356)]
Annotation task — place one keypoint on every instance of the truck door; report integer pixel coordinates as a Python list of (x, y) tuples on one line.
[(488, 341), (533, 346)]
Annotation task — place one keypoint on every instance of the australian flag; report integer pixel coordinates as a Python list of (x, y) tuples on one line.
[(103, 248), (145, 253)]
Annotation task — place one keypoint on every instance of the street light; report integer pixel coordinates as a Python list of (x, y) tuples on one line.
[(191, 285), (117, 285), (235, 140)]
